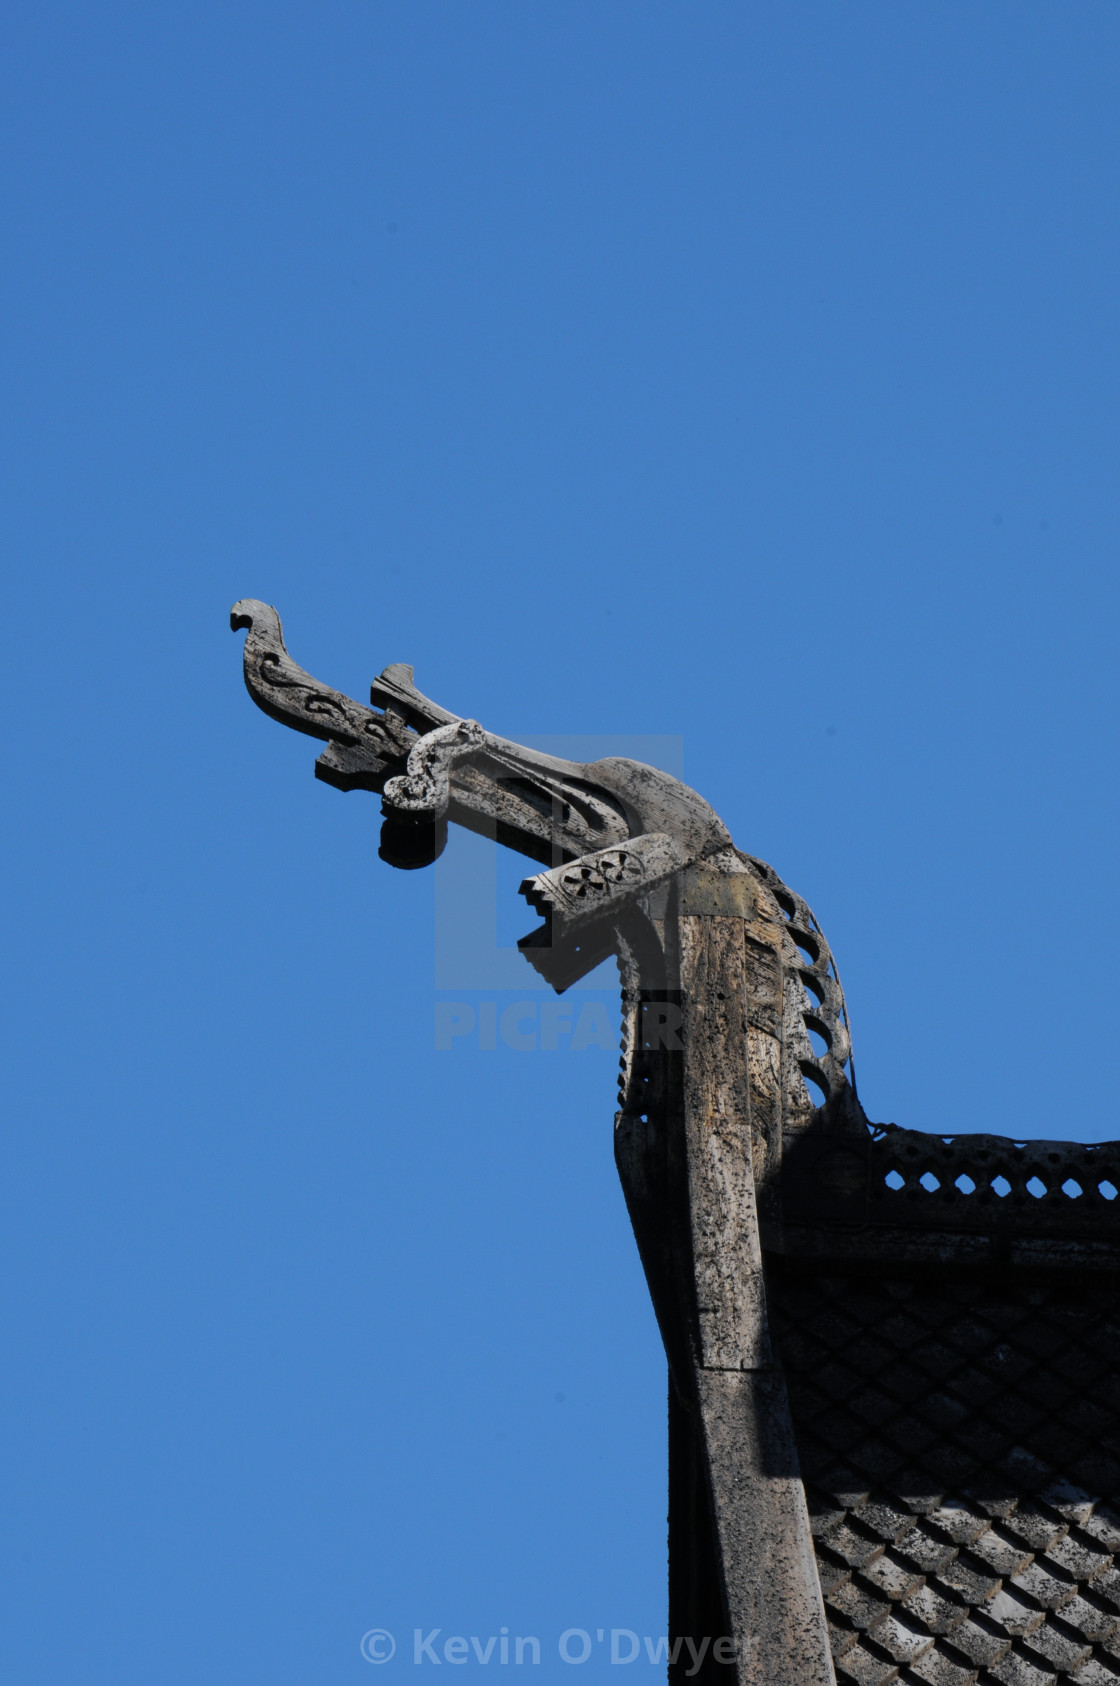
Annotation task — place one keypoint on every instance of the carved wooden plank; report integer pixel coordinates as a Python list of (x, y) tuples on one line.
[(727, 1258), (765, 1546), (764, 1059)]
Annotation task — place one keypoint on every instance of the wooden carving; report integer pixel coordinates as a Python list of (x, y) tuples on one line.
[(868, 1479)]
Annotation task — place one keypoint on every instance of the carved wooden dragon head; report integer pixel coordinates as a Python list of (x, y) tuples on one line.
[(613, 834)]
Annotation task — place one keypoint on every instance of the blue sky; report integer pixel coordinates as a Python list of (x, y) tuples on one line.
[(736, 377)]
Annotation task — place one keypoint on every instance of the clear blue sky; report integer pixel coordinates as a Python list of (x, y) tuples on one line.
[(739, 375)]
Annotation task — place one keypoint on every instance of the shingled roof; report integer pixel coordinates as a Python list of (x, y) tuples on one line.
[(952, 1356)]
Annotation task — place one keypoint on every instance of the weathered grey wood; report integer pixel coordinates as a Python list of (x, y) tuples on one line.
[(765, 1546), (727, 1255), (640, 864)]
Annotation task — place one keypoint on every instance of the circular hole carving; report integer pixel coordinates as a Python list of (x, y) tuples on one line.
[(1001, 1186), (815, 1082), (1037, 1187), (807, 943), (965, 1183), (1072, 1188), (1107, 1189), (822, 1028), (929, 1182), (895, 1179)]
